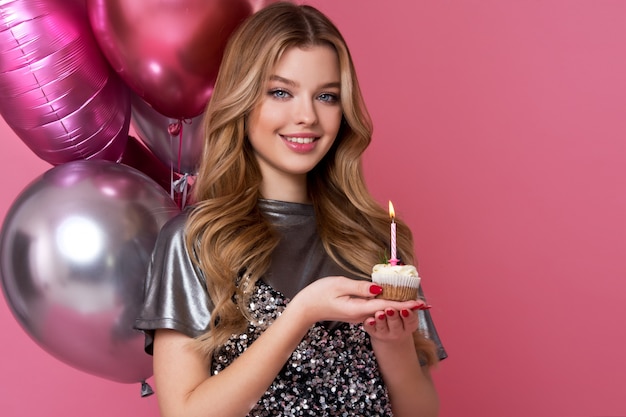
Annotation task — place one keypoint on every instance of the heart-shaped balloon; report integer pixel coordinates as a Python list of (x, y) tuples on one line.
[(168, 51), (57, 91)]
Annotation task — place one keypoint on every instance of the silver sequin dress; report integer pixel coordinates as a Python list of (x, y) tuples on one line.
[(332, 372)]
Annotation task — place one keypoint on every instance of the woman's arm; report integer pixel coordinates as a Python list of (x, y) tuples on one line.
[(411, 389), (185, 387)]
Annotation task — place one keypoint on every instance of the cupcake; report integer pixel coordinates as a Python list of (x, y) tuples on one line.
[(399, 282)]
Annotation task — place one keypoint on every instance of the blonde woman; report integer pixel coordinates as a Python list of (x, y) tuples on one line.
[(258, 301)]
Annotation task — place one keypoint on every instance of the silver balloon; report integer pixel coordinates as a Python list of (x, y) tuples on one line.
[(74, 250), (177, 143)]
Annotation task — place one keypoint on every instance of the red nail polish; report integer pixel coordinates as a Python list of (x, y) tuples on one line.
[(405, 312), (371, 322), (381, 316), (426, 307), (390, 313), (375, 289)]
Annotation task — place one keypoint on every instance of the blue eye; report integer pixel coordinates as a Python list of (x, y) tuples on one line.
[(279, 93), (329, 97)]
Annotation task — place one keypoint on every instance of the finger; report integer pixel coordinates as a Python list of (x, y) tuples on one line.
[(370, 306), (367, 289), (381, 322), (394, 321), (369, 325), (410, 319), (373, 290), (420, 305), (357, 288), (383, 304), (399, 305)]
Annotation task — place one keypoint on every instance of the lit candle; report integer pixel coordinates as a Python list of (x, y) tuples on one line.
[(393, 260)]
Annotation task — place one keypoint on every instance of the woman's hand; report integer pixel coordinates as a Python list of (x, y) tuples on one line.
[(339, 298), (392, 325), (410, 387)]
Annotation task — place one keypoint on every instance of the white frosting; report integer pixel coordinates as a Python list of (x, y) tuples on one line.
[(388, 269)]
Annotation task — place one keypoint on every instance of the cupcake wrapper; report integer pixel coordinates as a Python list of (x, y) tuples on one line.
[(397, 287), (397, 280), (394, 293)]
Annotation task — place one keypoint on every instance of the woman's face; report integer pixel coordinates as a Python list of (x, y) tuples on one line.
[(297, 119)]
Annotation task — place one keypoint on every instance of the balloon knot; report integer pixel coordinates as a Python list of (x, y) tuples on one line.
[(146, 389), (174, 128), (181, 184)]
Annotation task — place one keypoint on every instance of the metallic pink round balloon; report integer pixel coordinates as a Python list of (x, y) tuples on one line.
[(57, 91), (73, 274), (168, 51)]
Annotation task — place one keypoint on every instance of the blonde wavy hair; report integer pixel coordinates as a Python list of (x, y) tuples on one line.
[(227, 235)]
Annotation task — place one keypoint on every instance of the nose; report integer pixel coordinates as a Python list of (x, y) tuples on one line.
[(305, 112)]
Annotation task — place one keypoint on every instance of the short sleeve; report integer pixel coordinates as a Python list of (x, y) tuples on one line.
[(428, 329), (175, 295)]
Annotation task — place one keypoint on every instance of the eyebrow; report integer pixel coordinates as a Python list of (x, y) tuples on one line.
[(334, 84)]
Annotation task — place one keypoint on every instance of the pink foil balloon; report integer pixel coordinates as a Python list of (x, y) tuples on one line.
[(168, 51), (57, 91)]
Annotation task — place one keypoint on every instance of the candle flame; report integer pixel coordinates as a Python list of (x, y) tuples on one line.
[(392, 212)]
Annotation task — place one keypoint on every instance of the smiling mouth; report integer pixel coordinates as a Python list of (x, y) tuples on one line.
[(299, 140)]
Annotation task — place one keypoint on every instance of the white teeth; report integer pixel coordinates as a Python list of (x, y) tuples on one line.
[(299, 140)]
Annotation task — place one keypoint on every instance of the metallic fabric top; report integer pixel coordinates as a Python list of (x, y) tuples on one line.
[(176, 295)]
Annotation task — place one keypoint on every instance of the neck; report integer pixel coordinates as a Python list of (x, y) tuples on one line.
[(291, 189)]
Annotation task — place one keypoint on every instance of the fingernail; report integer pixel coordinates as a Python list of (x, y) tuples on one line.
[(375, 289), (426, 307), (381, 316), (390, 312), (405, 312)]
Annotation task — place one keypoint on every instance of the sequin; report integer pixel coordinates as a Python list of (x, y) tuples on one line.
[(331, 372)]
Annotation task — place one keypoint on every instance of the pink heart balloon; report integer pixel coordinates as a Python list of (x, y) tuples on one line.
[(57, 91), (168, 51)]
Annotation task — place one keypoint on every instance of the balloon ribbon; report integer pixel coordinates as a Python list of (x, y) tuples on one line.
[(182, 184)]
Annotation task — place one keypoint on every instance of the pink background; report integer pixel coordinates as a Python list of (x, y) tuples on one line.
[(500, 135)]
